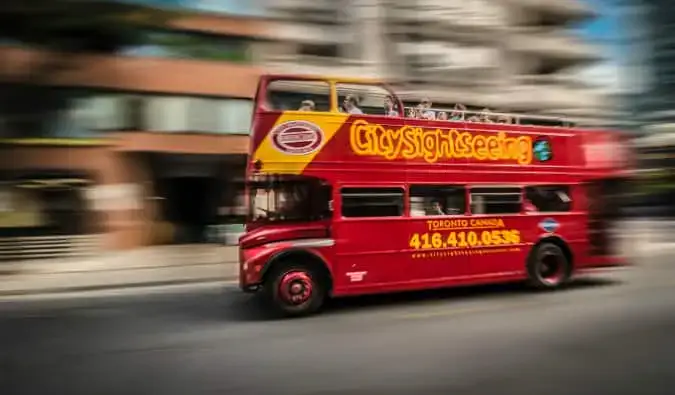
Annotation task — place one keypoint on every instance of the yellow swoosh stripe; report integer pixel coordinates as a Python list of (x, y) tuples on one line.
[(275, 161)]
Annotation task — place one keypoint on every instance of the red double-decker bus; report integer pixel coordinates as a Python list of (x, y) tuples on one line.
[(348, 196)]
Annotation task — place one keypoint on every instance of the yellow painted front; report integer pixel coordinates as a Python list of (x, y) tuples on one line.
[(275, 161)]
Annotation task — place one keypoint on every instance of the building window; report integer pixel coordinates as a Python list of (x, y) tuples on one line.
[(496, 200), (437, 200), (166, 114), (235, 116), (190, 45), (206, 115), (549, 198), (372, 202), (134, 112), (81, 113), (321, 50), (84, 114), (103, 112)]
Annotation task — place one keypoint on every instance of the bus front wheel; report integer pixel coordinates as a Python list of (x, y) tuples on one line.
[(548, 267), (295, 290)]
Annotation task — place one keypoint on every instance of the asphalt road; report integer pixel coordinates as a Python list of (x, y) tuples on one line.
[(612, 334)]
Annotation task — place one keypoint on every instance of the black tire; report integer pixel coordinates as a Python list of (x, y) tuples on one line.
[(274, 288), (548, 268)]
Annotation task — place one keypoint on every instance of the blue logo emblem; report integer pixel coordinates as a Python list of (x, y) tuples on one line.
[(542, 150), (549, 225)]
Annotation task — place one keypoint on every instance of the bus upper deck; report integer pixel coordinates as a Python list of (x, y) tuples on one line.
[(337, 127)]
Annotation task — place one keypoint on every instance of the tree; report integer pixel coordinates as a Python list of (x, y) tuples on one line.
[(60, 30)]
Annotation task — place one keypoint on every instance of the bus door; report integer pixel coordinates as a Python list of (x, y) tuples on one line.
[(554, 210), (370, 231), (604, 210)]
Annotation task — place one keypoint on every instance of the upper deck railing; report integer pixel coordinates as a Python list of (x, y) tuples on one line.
[(372, 93), (483, 116)]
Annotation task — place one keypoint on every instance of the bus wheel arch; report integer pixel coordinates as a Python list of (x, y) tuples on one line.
[(550, 264), (297, 282)]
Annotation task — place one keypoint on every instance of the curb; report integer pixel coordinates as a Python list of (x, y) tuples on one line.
[(108, 287), (16, 269)]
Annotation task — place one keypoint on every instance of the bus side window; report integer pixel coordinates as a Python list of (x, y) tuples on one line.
[(369, 99), (372, 202), (290, 95), (550, 198), (426, 200), (496, 200)]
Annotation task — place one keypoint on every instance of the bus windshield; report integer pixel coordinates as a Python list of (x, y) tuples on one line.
[(296, 199)]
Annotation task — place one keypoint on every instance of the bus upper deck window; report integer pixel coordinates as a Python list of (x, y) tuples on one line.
[(298, 95)]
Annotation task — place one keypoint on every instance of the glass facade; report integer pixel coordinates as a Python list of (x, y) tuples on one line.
[(90, 116), (232, 7), (175, 114), (184, 45), (176, 44), (659, 20)]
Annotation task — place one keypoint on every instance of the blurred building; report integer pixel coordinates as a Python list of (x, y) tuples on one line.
[(648, 25), (512, 55), (651, 31), (150, 144)]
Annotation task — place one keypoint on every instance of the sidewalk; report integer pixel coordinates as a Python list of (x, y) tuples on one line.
[(166, 265), (175, 265), (647, 237)]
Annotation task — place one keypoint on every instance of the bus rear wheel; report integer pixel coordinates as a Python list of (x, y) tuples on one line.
[(295, 290), (548, 267)]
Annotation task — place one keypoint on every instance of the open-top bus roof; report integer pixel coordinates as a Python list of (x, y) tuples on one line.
[(328, 78), (313, 84)]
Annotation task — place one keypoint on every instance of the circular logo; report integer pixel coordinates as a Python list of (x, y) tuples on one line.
[(542, 150), (297, 137), (549, 225)]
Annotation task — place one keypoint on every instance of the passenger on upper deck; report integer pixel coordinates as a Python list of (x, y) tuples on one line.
[(307, 105), (442, 116), (416, 112), (485, 116), (389, 107), (504, 119), (425, 109), (458, 112), (351, 105), (419, 112)]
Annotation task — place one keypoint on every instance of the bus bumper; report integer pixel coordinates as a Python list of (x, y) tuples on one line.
[(249, 281), (251, 264)]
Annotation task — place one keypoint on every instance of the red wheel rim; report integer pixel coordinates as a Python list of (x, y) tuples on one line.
[(295, 288)]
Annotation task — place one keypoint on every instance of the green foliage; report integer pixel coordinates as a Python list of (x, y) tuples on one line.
[(71, 25), (198, 46)]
